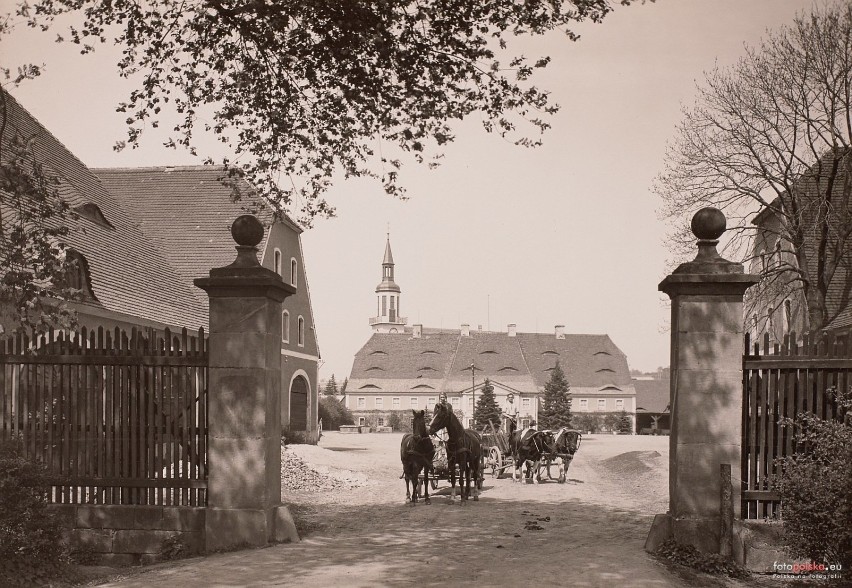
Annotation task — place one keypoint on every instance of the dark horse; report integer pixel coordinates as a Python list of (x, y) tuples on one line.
[(528, 446), (417, 452), (464, 445), (563, 445)]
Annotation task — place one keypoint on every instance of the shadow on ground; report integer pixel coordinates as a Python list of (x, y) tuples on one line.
[(493, 542)]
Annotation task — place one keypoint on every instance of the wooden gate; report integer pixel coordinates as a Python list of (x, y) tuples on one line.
[(115, 418), (781, 381)]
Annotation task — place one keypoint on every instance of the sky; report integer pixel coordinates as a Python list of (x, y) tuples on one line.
[(567, 233)]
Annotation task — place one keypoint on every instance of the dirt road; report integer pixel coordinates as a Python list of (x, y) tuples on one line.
[(586, 532)]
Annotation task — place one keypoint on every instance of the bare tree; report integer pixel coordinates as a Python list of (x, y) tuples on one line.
[(771, 135)]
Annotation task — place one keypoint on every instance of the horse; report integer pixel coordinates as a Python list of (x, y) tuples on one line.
[(416, 452), (564, 444), (465, 447), (528, 446)]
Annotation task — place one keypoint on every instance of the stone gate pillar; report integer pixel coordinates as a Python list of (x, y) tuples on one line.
[(706, 388), (244, 399)]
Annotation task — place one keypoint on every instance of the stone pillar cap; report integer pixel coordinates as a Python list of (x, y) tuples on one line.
[(708, 267), (245, 276)]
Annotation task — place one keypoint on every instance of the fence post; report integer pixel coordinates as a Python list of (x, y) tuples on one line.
[(244, 406), (706, 388)]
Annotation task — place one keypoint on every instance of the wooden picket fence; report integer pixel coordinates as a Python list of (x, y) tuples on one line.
[(115, 417), (784, 381)]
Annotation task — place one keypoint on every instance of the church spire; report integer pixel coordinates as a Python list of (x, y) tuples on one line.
[(388, 319)]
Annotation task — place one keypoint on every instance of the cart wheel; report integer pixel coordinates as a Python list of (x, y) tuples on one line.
[(495, 458)]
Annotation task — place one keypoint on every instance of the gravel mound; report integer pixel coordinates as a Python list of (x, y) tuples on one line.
[(632, 462), (299, 476)]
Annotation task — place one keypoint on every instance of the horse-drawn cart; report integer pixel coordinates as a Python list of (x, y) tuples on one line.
[(495, 447), (443, 468)]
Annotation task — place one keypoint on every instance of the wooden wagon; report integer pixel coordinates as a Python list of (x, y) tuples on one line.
[(441, 466), (495, 447)]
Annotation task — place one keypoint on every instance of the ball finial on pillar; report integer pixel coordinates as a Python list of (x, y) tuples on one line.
[(247, 231), (708, 224)]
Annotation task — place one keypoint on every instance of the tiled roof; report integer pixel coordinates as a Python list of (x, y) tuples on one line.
[(187, 212), (128, 273), (652, 395), (398, 361)]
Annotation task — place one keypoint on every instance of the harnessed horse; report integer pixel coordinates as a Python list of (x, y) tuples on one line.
[(563, 446), (528, 446), (417, 452), (464, 445)]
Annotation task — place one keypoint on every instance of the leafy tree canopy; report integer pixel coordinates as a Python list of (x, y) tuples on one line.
[(302, 90)]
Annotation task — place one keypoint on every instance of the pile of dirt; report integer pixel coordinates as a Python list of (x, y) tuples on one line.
[(633, 462), (299, 476)]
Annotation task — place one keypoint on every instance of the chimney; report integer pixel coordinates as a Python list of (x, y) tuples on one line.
[(418, 331), (560, 331), (465, 330), (512, 329)]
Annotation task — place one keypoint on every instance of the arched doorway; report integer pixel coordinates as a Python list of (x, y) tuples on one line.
[(299, 404)]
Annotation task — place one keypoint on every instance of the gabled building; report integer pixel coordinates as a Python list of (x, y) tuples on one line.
[(194, 236), (822, 209), (409, 368), (142, 235)]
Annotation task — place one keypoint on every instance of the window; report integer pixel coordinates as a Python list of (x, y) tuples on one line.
[(380, 422), (470, 402), (362, 402), (525, 423), (413, 402), (525, 403), (395, 403), (455, 401), (384, 305), (619, 404), (601, 403), (285, 327), (301, 334), (788, 315), (362, 421), (469, 423), (430, 403), (584, 404), (277, 261), (293, 273), (380, 402)]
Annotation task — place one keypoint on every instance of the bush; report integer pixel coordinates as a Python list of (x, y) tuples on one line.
[(333, 413), (815, 487), (399, 420), (689, 556), (31, 549), (586, 421)]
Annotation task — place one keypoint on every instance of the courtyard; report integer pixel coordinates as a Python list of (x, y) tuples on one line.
[(349, 505)]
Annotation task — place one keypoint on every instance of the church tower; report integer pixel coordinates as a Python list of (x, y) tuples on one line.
[(387, 319)]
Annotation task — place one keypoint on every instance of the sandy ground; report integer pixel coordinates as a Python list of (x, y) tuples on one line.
[(588, 531)]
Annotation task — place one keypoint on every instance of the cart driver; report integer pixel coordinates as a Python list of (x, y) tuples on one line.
[(511, 413)]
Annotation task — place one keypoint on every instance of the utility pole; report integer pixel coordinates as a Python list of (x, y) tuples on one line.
[(472, 369)]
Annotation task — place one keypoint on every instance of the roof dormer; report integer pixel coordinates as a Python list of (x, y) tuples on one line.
[(91, 212)]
